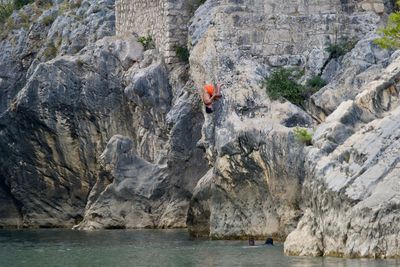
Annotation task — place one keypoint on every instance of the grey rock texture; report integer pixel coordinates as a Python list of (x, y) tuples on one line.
[(152, 182), (262, 181), (43, 158), (55, 126), (37, 34), (55, 130), (354, 185), (98, 133), (258, 168), (362, 65)]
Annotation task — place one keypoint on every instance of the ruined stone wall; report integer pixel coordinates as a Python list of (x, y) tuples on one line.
[(166, 21)]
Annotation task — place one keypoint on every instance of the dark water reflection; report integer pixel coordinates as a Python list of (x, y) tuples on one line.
[(145, 248)]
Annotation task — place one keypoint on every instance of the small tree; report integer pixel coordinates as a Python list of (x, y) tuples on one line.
[(390, 35)]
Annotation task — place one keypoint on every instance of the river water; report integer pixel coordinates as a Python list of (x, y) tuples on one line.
[(116, 248)]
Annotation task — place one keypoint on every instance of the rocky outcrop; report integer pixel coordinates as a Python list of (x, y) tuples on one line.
[(362, 65), (43, 154), (61, 125), (102, 134), (67, 110), (259, 168), (354, 184)]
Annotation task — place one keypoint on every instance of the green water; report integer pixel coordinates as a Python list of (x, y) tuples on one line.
[(145, 248)]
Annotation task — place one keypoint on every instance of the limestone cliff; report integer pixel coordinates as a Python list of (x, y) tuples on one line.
[(107, 135), (79, 86)]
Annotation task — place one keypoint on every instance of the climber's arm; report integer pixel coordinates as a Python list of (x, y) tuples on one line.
[(207, 99)]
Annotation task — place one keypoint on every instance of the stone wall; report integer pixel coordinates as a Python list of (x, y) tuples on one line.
[(166, 21)]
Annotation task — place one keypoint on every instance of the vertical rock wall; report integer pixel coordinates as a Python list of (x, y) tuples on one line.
[(256, 185)]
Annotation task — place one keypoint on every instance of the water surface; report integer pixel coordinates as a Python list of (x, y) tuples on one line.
[(146, 248)]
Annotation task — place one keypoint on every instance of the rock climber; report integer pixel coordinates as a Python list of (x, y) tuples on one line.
[(211, 93)]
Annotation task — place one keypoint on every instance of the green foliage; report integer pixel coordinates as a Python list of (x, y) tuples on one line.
[(282, 84), (76, 4), (44, 4), (49, 19), (20, 3), (337, 50), (303, 136), (147, 42), (315, 83), (51, 51), (7, 26), (182, 53), (390, 36), (66, 6), (6, 9), (25, 20)]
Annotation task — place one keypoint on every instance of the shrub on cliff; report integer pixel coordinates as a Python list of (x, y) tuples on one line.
[(147, 42), (302, 136), (6, 9), (341, 48), (315, 83), (20, 3), (182, 53), (390, 35), (282, 84)]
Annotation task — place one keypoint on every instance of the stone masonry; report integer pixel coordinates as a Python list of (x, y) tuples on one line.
[(166, 21)]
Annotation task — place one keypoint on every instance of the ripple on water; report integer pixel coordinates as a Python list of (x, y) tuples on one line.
[(119, 248)]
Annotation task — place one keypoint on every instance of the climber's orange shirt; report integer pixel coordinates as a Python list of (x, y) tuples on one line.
[(209, 88)]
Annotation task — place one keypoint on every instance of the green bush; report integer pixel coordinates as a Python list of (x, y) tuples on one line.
[(315, 83), (303, 136), (390, 35), (49, 19), (5, 29), (337, 50), (282, 84), (51, 51), (20, 3), (147, 42), (44, 4), (182, 53), (6, 9)]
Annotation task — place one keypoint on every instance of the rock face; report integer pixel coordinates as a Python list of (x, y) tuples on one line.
[(354, 184), (259, 169), (43, 156), (98, 133), (55, 129), (263, 182)]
